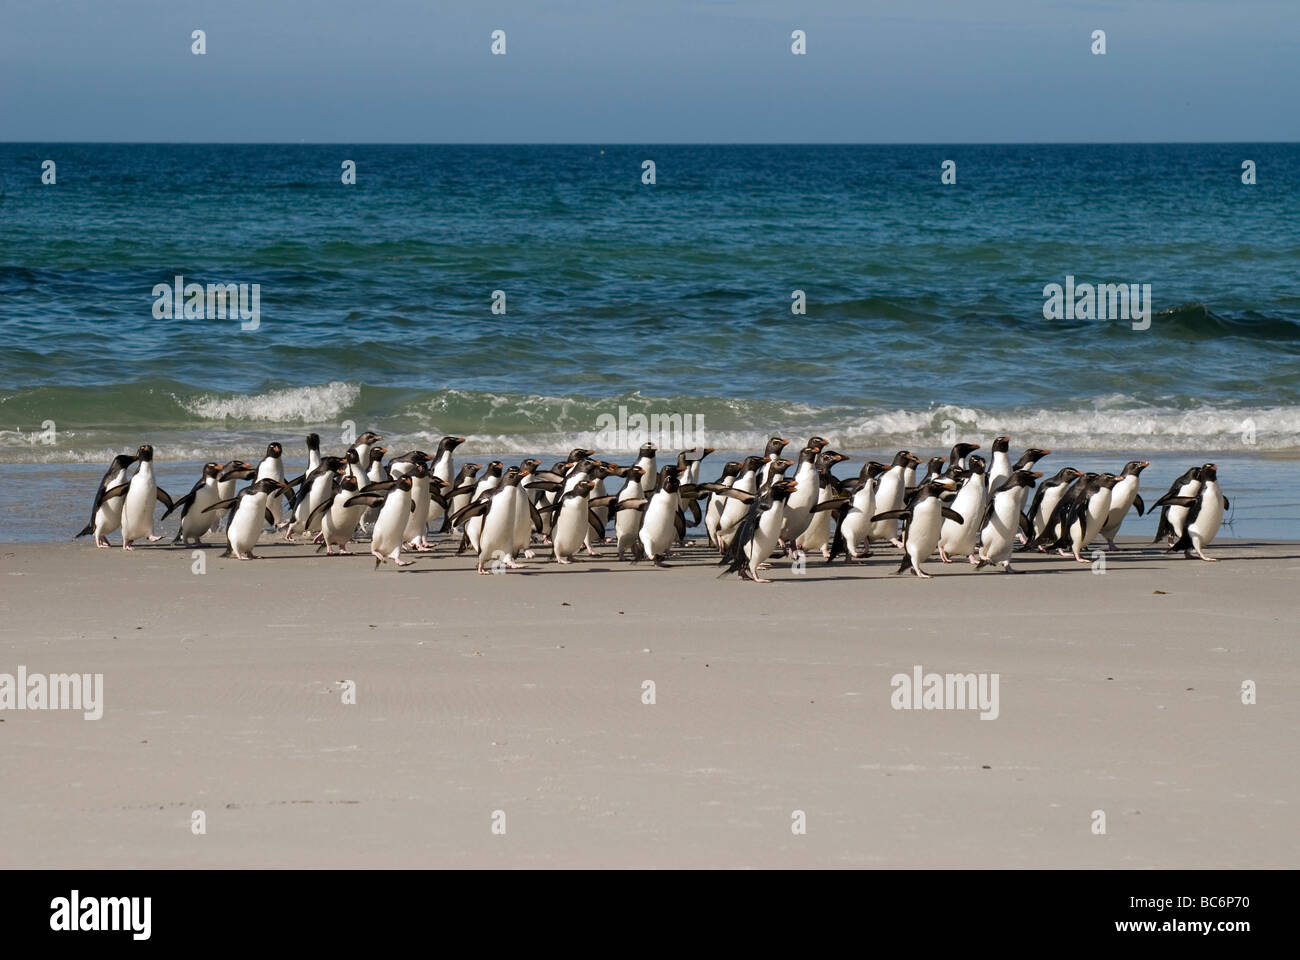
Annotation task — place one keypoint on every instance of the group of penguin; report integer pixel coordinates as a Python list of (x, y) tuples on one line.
[(960, 507)]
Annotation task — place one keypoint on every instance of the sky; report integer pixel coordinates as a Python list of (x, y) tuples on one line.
[(649, 71)]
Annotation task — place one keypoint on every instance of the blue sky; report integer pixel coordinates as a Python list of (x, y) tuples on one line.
[(649, 71)]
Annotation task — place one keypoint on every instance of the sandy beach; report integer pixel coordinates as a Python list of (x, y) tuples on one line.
[(523, 693)]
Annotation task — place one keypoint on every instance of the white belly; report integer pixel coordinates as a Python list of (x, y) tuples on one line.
[(386, 538), (246, 525), (498, 531), (570, 529), (137, 511), (659, 529)]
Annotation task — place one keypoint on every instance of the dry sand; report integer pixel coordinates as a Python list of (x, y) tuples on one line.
[(523, 693)]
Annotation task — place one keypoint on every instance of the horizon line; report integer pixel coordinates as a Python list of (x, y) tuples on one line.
[(652, 143)]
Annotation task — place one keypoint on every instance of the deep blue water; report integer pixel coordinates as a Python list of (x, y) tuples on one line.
[(924, 300)]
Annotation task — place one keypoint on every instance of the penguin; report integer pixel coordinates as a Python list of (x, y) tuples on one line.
[(527, 518), (1204, 516), (933, 469), (923, 521), (338, 516), (958, 539), (713, 513), (388, 534), (313, 452), (1003, 519), (575, 516), (1123, 496), (1173, 516), (799, 502), (141, 493), (404, 464), (1029, 459), (853, 530), (106, 515), (758, 531), (272, 467), (890, 492), (688, 464), (248, 511), (227, 479), (663, 523), (313, 459), (414, 535), (733, 511), (816, 537), (473, 521), (1082, 515), (627, 522), (444, 470), (362, 446), (770, 453), (959, 453), (194, 522), (494, 510), (645, 459), (317, 486), (371, 470), (1000, 468), (1046, 497), (464, 483)]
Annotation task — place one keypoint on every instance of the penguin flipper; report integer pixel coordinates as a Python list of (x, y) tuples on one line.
[(1137, 502), (270, 517), (696, 515), (536, 516), (1226, 504), (679, 522), (1026, 527), (89, 529), (221, 505), (593, 521), (319, 512), (164, 498), (182, 502), (951, 514), (118, 491), (891, 515), (472, 510), (833, 504)]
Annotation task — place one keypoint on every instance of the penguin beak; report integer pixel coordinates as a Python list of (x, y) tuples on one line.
[(1037, 474)]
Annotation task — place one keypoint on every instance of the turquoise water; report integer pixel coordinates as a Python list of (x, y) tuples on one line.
[(924, 300)]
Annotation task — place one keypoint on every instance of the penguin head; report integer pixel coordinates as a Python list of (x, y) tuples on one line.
[(236, 470), (313, 442), (582, 488), (369, 437), (775, 446), (962, 450), (975, 465), (1022, 478), (1134, 467), (351, 456), (872, 469), (122, 461), (273, 450), (578, 454), (447, 444), (783, 488), (1107, 480), (1001, 444), (145, 453), (647, 450), (494, 468), (375, 454), (731, 468), (349, 483), (211, 469), (419, 471), (780, 465), (1210, 473), (270, 485), (334, 464), (404, 482), (903, 458)]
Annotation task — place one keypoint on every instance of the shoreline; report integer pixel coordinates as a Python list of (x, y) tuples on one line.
[(523, 693)]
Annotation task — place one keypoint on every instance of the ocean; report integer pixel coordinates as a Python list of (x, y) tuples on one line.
[(923, 303)]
